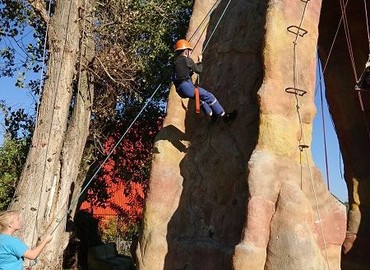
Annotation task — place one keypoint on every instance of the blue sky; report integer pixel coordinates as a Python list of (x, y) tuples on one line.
[(334, 166), (14, 97), (22, 98)]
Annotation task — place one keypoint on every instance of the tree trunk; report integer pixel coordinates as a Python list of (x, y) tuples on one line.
[(49, 176)]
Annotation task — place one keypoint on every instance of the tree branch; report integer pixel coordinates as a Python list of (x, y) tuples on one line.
[(40, 9)]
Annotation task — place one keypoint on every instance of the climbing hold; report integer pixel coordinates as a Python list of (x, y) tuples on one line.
[(295, 91)]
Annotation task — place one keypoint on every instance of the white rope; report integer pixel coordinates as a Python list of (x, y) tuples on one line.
[(43, 61), (106, 158), (302, 137), (127, 130), (215, 28), (203, 21)]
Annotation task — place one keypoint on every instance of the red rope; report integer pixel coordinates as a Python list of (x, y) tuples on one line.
[(324, 128), (348, 38), (367, 24), (333, 42)]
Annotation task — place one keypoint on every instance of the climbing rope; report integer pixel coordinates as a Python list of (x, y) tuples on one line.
[(43, 61), (42, 67), (348, 38), (75, 201), (217, 24), (54, 102), (350, 50), (300, 32), (214, 29), (334, 40), (322, 72), (323, 125), (206, 17), (37, 111), (367, 24)]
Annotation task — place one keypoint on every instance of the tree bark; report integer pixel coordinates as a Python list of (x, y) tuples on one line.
[(49, 176)]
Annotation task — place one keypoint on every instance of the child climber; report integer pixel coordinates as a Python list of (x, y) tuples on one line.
[(184, 67)]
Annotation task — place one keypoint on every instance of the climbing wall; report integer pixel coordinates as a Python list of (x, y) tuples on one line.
[(245, 195)]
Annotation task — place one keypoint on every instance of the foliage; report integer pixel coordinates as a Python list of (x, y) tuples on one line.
[(18, 124), (12, 157), (133, 47), (128, 165), (21, 51), (108, 230), (13, 152), (134, 42), (22, 37), (144, 31)]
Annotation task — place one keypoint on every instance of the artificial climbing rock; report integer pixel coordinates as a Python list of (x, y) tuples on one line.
[(245, 196)]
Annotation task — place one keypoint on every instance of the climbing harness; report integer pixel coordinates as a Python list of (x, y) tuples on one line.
[(75, 200), (181, 44), (197, 99)]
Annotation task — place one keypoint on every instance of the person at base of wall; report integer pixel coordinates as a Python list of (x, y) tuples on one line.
[(184, 67), (12, 250)]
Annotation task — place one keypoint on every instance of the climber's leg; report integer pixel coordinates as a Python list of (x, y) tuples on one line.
[(206, 109), (186, 89), (212, 101)]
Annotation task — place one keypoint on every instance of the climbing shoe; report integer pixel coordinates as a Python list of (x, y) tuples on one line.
[(215, 118), (229, 117)]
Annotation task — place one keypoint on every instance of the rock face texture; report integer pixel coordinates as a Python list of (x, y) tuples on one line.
[(245, 195), (350, 118)]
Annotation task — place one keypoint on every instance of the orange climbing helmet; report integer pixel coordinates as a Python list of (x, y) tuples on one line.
[(182, 44)]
